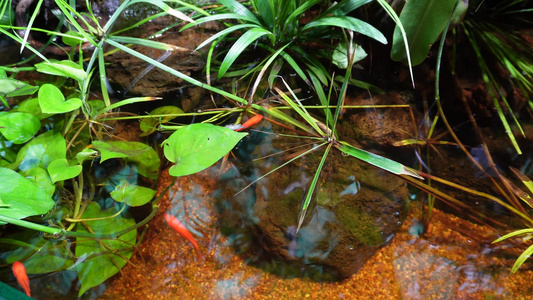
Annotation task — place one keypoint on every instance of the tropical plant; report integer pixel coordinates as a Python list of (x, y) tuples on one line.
[(277, 27), (52, 146), (511, 55), (58, 159), (526, 197)]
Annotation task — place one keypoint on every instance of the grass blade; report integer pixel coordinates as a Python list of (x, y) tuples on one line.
[(312, 188), (349, 23), (396, 20), (377, 160), (246, 39)]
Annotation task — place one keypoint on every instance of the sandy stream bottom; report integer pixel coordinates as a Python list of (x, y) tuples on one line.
[(454, 261)]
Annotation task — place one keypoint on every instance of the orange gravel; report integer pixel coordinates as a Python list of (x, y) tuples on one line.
[(445, 264)]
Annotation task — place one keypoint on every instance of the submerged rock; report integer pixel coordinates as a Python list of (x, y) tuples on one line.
[(355, 209)]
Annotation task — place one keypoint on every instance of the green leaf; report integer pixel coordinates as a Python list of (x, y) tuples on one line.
[(51, 257), (246, 39), (85, 154), (144, 156), (10, 87), (65, 68), (72, 38), (349, 23), (423, 22), (32, 106), (60, 170), (119, 149), (52, 100), (377, 160), (240, 9), (522, 258), (19, 127), (40, 177), (148, 125), (41, 151), (224, 33), (198, 146), (24, 197), (133, 195), (345, 7), (340, 59), (97, 269)]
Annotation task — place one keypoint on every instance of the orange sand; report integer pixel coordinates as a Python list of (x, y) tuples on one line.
[(446, 264)]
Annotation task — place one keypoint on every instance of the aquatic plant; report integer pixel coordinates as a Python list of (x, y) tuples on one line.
[(53, 146), (278, 28), (509, 53)]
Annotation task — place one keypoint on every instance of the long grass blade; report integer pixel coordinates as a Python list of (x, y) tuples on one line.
[(396, 20), (513, 234), (224, 33), (349, 23), (236, 50), (377, 160), (30, 24), (281, 166), (312, 188)]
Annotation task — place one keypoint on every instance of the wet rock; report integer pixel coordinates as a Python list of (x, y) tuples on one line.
[(382, 126), (355, 210), (132, 76)]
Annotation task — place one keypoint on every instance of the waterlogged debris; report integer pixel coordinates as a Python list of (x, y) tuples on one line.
[(417, 228), (352, 189)]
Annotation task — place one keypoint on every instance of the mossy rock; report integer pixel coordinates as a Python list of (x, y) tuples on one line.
[(355, 210)]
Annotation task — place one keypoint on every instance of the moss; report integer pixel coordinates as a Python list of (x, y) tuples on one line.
[(361, 226)]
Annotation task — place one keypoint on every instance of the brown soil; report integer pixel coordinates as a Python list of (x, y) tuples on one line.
[(454, 261)]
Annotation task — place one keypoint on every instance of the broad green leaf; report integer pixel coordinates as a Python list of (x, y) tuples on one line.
[(377, 160), (72, 38), (51, 257), (246, 39), (41, 151), (340, 59), (24, 197), (60, 170), (65, 68), (19, 127), (85, 154), (133, 195), (144, 156), (7, 18), (423, 22), (40, 177), (95, 106), (349, 23), (97, 269), (198, 146), (52, 100), (119, 149), (11, 88), (32, 106), (148, 125)]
